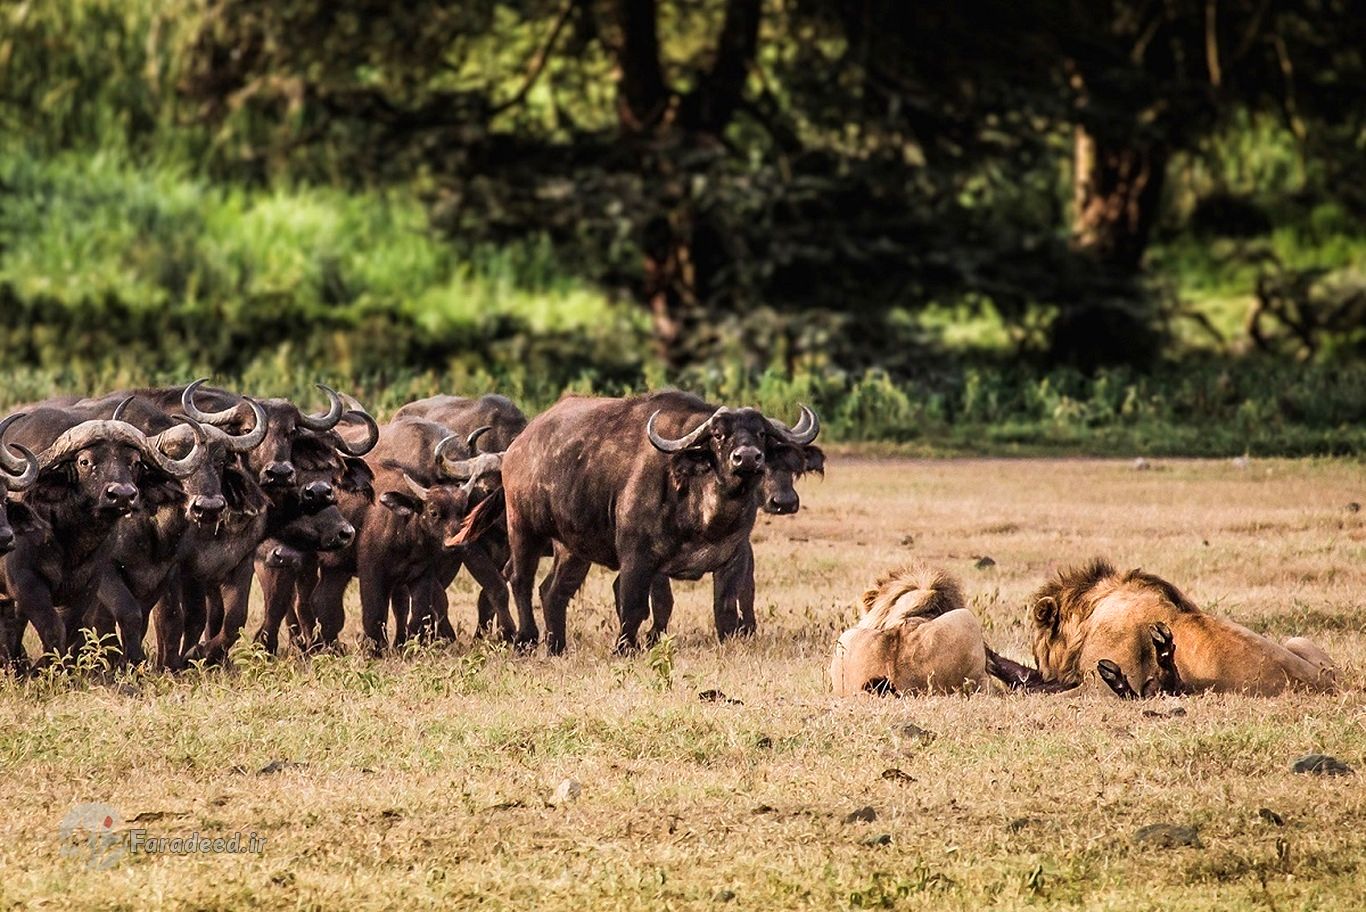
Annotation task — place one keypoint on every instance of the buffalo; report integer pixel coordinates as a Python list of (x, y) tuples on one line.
[(494, 422), (91, 474), (605, 481), (426, 488)]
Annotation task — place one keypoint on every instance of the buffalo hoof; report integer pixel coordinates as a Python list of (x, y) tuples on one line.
[(526, 643), (626, 647), (1163, 643), (1113, 675), (554, 646)]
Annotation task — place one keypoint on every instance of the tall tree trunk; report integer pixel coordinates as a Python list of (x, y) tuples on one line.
[(1117, 189), (709, 107), (642, 94), (649, 109)]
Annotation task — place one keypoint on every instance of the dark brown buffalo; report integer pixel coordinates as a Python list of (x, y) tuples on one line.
[(408, 534), (494, 422), (463, 415), (91, 474), (648, 486), (17, 474), (733, 585), (305, 517), (304, 461), (152, 546)]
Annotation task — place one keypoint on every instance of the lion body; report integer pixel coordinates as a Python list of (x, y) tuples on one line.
[(1094, 613), (916, 635)]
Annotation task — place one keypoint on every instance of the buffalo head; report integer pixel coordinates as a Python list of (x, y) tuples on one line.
[(107, 465), (735, 443), (17, 473), (439, 510)]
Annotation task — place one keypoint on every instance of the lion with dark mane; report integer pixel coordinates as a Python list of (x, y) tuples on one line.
[(1142, 636)]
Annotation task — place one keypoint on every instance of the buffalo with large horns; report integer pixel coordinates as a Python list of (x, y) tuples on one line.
[(91, 474), (647, 486)]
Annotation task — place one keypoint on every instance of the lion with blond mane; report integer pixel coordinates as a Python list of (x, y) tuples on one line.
[(1143, 637), (917, 635)]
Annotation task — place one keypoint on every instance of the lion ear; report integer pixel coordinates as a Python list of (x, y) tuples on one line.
[(1046, 611)]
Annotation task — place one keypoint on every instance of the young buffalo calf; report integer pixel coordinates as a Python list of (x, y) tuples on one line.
[(1143, 637)]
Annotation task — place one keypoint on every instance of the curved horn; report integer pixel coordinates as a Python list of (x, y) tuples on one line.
[(216, 419), (418, 490), (121, 409), (8, 461), (371, 434), (666, 445), (328, 421), (444, 463), (90, 432), (803, 432), (18, 473), (186, 465), (472, 441), (472, 469), (17, 483), (251, 439)]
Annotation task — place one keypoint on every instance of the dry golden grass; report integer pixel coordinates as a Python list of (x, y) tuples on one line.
[(422, 781)]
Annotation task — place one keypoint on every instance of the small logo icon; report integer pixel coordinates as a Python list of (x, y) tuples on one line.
[(90, 832)]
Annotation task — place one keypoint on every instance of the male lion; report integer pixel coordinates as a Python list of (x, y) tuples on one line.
[(918, 636), (1128, 627)]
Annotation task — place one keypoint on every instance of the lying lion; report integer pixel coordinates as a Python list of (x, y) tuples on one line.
[(1136, 628), (918, 636)]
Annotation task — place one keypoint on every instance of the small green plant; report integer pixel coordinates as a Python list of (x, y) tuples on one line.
[(661, 662)]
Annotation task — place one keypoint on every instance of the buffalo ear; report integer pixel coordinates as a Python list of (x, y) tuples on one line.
[(688, 464), (241, 493), (357, 477), (159, 489), (402, 504), (815, 460), (22, 519), (53, 485), (1046, 612)]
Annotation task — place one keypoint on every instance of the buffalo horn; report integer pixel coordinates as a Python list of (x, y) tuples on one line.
[(217, 419), (327, 421), (667, 445)]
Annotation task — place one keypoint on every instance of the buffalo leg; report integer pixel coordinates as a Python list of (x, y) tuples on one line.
[(526, 553), (1022, 677), (35, 606), (661, 606), (192, 595), (169, 619), (1113, 675), (441, 611), (326, 604), (227, 603), (401, 602), (127, 613), (374, 608), (637, 579), (277, 593), (1168, 680), (492, 585), (744, 592), (303, 623), (564, 581)]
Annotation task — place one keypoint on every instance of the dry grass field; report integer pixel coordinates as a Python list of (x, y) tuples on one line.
[(425, 781)]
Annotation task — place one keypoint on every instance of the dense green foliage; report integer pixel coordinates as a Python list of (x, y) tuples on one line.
[(878, 211)]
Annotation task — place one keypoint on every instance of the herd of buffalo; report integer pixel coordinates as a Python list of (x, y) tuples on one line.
[(165, 503)]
